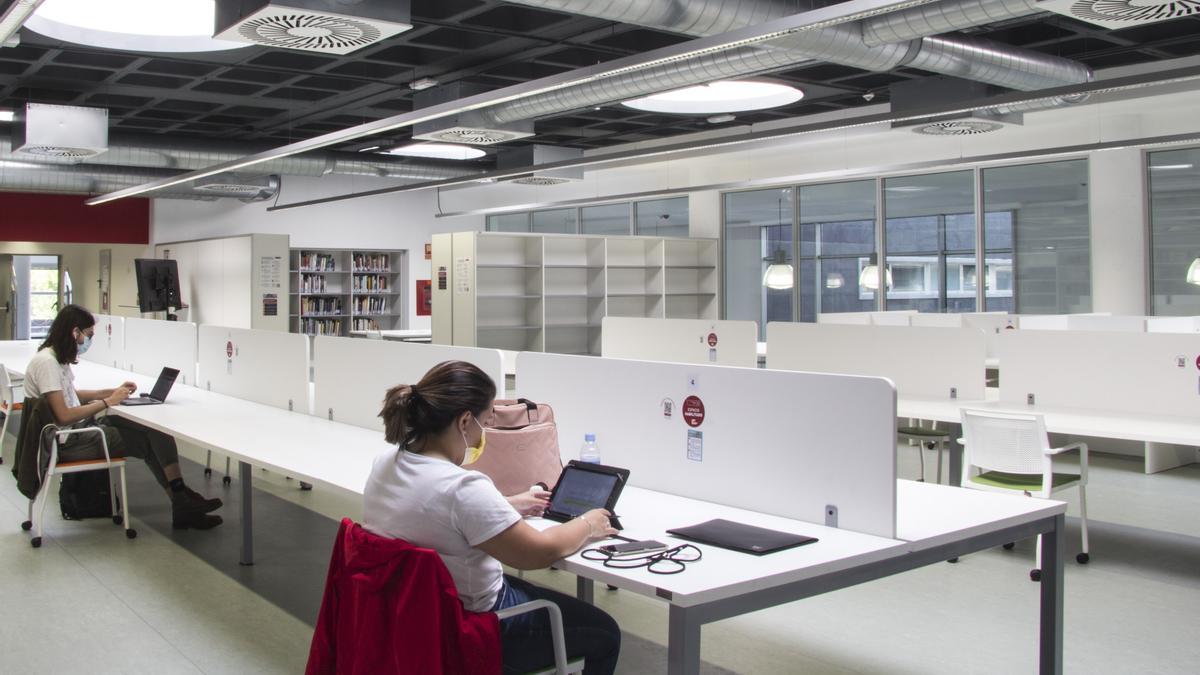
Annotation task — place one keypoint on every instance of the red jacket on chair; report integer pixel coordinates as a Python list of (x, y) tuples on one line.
[(391, 607)]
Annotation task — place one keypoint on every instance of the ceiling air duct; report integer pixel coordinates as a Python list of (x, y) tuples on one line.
[(240, 187), (1122, 13), (60, 132), (537, 155), (328, 26), (470, 128)]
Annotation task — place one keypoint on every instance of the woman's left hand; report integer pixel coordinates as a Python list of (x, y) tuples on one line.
[(131, 386), (530, 503)]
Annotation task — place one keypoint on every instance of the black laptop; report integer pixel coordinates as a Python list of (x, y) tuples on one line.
[(584, 486), (157, 395), (739, 537)]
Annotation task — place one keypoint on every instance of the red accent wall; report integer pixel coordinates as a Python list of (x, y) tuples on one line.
[(67, 219)]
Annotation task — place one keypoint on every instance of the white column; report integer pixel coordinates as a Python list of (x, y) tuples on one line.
[(1119, 246)]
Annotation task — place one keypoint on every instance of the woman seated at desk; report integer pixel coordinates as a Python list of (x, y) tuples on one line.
[(421, 494), (49, 375)]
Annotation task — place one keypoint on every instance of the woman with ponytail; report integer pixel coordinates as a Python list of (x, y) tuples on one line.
[(422, 493)]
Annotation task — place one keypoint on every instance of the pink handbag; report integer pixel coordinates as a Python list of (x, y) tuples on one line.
[(522, 447)]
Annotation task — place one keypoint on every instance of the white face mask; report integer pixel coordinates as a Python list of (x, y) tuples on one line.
[(87, 344)]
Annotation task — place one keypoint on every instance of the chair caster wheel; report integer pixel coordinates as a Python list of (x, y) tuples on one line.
[(305, 486), (117, 520), (952, 560), (1082, 558), (131, 534), (226, 481), (1035, 575), (208, 473), (36, 542), (1009, 546), (27, 526)]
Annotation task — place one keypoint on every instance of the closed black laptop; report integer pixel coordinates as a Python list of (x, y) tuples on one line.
[(740, 537), (159, 393)]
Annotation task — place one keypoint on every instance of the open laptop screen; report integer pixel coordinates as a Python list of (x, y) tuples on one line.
[(163, 386)]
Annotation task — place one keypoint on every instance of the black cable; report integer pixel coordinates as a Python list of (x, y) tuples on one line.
[(674, 560)]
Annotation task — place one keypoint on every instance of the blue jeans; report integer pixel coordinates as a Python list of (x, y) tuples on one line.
[(525, 640)]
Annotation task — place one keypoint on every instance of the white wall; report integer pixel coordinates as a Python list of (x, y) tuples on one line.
[(401, 221)]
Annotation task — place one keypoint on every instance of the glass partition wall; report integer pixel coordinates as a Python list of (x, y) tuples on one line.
[(1174, 187), (1032, 254)]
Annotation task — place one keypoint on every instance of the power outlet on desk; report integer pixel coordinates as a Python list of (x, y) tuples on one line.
[(831, 515), (1029, 399)]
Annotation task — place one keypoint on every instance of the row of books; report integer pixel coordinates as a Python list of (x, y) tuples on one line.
[(371, 262), (321, 262), (364, 324), (370, 305), (313, 283), (322, 326), (370, 284), (320, 305)]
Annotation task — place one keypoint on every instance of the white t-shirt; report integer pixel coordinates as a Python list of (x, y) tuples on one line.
[(431, 503), (45, 374)]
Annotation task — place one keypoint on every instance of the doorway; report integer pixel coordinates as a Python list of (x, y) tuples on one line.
[(30, 295)]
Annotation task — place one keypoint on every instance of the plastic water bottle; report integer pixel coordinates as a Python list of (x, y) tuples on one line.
[(590, 452)]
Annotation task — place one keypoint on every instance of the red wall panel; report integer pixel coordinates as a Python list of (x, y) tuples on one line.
[(67, 219)]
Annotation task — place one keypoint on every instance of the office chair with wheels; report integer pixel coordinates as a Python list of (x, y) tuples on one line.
[(1010, 452), (37, 505)]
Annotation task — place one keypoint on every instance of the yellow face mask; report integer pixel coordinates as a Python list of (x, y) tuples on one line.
[(473, 452)]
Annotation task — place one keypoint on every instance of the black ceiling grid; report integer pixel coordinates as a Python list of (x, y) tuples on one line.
[(273, 96)]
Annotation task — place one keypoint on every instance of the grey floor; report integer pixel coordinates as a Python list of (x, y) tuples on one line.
[(177, 602)]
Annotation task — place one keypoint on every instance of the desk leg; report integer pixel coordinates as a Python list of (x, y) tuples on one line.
[(1053, 551), (247, 557), (683, 642), (585, 590)]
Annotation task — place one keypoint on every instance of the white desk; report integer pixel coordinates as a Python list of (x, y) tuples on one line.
[(934, 523), (408, 335)]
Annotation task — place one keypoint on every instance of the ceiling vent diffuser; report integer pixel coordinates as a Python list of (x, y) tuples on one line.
[(326, 26), (470, 128), (60, 132), (965, 127), (233, 185), (1122, 13), (533, 156)]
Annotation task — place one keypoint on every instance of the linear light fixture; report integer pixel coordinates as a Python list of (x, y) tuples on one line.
[(14, 17), (1177, 75), (818, 18)]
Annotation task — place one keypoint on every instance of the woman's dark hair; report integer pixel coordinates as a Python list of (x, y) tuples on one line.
[(62, 332), (412, 413)]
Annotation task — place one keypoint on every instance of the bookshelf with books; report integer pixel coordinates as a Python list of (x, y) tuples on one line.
[(336, 291)]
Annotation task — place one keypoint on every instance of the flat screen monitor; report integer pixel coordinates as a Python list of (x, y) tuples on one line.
[(157, 283)]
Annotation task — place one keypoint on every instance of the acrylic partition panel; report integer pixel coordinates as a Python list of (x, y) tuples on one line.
[(1044, 321), (151, 345), (725, 343), (856, 318), (353, 375), (1092, 322), (776, 442), (1129, 373), (263, 366), (1173, 324), (893, 318), (922, 362), (108, 343), (936, 320)]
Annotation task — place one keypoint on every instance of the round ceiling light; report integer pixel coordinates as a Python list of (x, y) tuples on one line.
[(438, 151), (132, 25), (718, 97)]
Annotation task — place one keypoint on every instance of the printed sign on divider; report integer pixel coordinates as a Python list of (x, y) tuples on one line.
[(693, 411)]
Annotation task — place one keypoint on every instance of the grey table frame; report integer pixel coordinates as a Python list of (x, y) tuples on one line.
[(683, 646)]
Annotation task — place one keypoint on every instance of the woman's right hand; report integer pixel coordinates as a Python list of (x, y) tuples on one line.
[(599, 526), (119, 394)]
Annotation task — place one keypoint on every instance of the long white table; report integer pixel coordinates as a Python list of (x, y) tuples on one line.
[(934, 523), (1170, 440)]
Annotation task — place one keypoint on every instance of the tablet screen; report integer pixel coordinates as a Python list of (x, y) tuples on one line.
[(579, 491)]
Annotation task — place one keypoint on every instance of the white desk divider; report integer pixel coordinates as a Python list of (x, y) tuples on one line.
[(1044, 321), (894, 318), (1173, 324), (992, 324), (352, 375), (776, 442), (152, 344), (264, 366), (936, 320), (1134, 373), (724, 343), (1092, 322), (857, 318), (108, 344), (921, 362)]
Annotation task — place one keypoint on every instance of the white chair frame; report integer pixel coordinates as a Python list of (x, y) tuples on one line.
[(37, 505), (561, 665), (1034, 429), (8, 401)]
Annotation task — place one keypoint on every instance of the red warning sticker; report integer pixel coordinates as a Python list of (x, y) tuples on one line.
[(693, 411), (229, 350), (712, 339)]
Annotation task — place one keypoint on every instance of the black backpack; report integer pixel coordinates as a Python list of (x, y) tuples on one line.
[(85, 495)]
